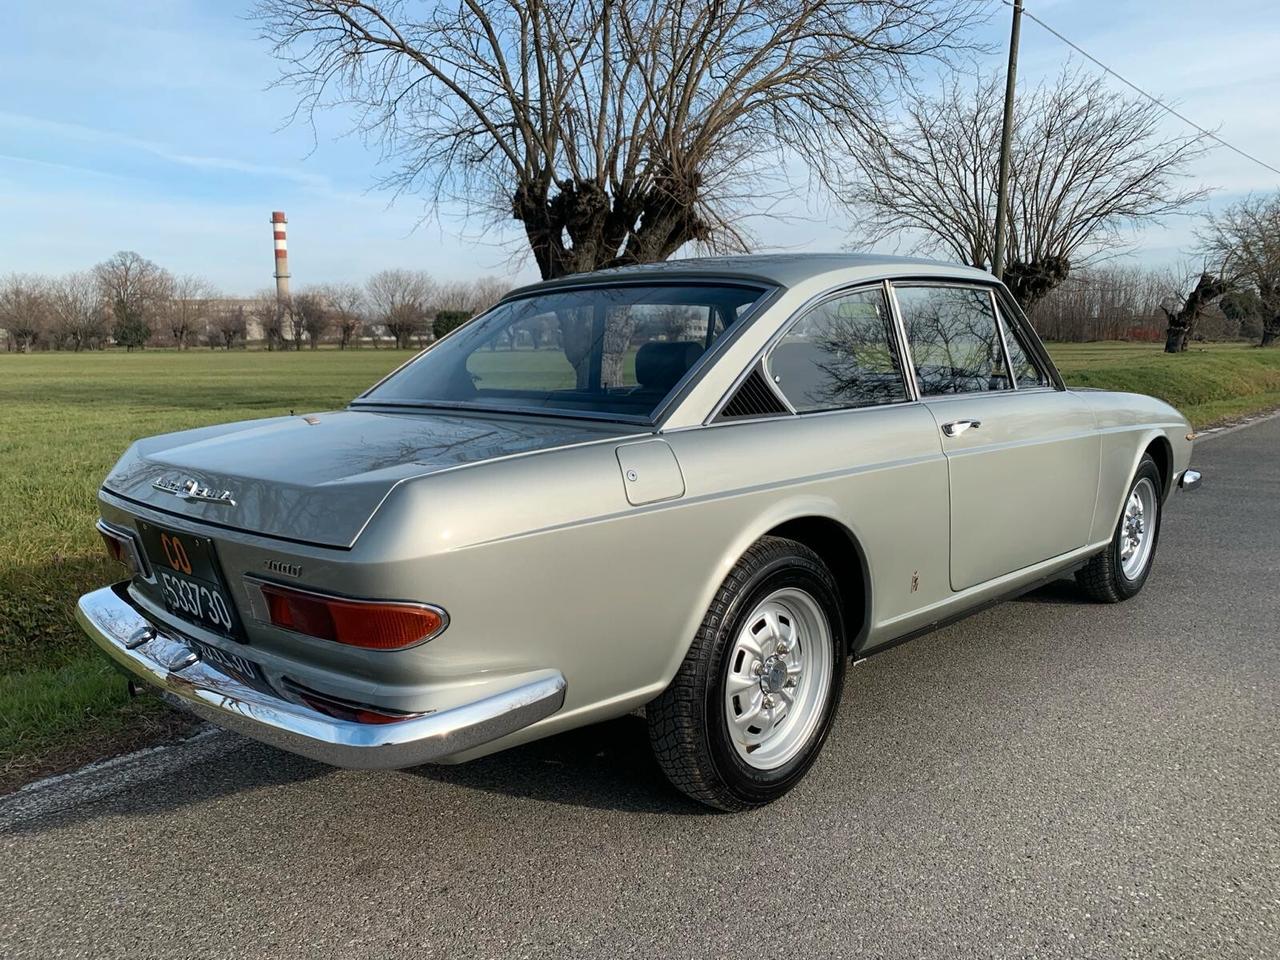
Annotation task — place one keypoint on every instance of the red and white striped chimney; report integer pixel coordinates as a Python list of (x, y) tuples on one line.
[(282, 255)]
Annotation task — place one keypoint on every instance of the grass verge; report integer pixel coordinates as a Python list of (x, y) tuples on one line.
[(66, 417)]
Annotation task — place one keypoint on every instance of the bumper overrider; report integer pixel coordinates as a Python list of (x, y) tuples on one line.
[(164, 660)]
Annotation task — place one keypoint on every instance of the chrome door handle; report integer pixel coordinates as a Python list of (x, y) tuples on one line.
[(957, 427)]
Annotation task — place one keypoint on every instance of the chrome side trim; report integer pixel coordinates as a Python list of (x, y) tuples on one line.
[(1189, 480), (173, 666)]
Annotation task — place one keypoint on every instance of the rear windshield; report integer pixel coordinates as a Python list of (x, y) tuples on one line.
[(597, 351)]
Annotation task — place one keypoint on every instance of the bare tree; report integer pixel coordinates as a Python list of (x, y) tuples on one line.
[(348, 304), (454, 295), (1244, 241), (1086, 164), (486, 291), (184, 313), (134, 289), (312, 316), (1109, 302), (273, 313), (400, 300), (613, 131), (24, 310), (228, 326), (77, 310)]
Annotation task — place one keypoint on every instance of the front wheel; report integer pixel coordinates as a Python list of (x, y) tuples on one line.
[(1120, 571), (748, 711)]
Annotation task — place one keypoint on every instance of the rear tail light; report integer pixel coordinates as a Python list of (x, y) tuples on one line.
[(342, 709), (122, 548), (370, 624)]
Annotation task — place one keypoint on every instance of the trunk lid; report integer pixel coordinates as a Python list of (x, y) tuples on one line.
[(320, 478)]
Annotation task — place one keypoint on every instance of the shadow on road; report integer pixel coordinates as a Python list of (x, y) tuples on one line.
[(1063, 591), (607, 766)]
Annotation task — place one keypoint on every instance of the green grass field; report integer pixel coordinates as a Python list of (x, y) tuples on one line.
[(66, 417)]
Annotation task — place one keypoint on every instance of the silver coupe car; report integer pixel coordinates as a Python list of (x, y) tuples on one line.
[(701, 488)]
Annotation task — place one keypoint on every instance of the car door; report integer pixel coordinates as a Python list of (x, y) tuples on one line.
[(841, 369), (1022, 454)]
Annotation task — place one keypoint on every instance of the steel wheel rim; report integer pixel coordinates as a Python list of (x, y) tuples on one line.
[(1138, 528), (779, 678)]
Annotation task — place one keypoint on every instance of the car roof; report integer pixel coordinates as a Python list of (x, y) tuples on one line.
[(776, 269)]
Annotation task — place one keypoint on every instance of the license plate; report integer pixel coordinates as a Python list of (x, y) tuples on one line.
[(187, 573), (234, 665)]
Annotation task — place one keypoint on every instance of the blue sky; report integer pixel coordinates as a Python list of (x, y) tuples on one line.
[(150, 126)]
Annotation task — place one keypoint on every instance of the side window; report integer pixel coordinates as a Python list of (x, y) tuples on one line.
[(1026, 371), (840, 354), (954, 338)]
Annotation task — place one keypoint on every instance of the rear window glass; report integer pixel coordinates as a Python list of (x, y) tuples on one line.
[(603, 350)]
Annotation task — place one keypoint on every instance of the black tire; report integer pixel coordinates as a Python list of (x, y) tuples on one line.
[(1103, 579), (688, 725)]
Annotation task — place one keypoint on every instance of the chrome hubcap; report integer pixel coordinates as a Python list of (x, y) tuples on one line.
[(779, 677), (1137, 528)]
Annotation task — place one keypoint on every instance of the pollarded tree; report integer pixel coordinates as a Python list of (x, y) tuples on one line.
[(1086, 164), (1182, 321), (1244, 241), (613, 131)]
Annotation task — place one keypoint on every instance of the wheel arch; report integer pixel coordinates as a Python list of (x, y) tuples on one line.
[(813, 521), (1113, 493), (1161, 451), (844, 556)]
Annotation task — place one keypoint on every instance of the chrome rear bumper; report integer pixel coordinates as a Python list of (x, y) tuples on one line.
[(1189, 480), (175, 668)]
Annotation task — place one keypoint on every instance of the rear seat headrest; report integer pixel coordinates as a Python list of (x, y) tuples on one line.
[(660, 365)]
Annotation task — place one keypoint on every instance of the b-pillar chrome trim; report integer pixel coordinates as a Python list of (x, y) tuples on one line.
[(181, 677)]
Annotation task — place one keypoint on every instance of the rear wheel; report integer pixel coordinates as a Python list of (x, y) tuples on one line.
[(1120, 571), (751, 706)]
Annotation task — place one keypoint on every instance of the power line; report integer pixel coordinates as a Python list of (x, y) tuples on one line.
[(1154, 99)]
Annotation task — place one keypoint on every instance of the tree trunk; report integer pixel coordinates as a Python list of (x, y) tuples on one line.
[(1182, 323)]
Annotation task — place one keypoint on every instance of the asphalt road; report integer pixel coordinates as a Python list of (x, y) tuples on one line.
[(1048, 778)]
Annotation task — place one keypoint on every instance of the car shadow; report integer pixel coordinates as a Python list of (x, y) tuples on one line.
[(1063, 591), (606, 765)]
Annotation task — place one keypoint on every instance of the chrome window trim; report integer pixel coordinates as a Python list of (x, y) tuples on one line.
[(1004, 343), (1006, 330), (1012, 311), (904, 347), (757, 360), (763, 366), (989, 289), (891, 339)]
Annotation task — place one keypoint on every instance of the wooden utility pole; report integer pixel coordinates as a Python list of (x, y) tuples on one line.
[(1006, 138)]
